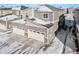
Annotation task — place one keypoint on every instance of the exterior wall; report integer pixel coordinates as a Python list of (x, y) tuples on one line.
[(30, 13), (21, 12), (56, 16), (51, 32), (4, 12), (6, 25), (53, 16), (1, 12), (76, 15), (39, 14), (16, 12)]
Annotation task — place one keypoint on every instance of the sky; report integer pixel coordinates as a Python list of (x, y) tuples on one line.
[(35, 5)]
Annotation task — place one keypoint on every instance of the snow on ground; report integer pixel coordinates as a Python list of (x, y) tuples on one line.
[(69, 17), (58, 44), (70, 45), (55, 48), (11, 48)]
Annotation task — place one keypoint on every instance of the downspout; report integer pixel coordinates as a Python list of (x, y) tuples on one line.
[(6, 24)]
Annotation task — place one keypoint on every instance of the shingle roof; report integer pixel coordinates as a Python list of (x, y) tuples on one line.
[(24, 7), (53, 8), (5, 8), (48, 25), (40, 22)]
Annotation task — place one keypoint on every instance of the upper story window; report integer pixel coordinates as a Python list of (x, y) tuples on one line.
[(45, 16)]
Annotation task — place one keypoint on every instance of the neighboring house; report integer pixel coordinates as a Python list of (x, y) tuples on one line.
[(5, 21), (5, 10), (69, 20), (19, 10), (76, 16)]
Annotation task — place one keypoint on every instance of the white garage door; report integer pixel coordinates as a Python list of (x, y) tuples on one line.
[(35, 35), (18, 31), (3, 27)]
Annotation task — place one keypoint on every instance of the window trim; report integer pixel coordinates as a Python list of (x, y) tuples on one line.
[(44, 14)]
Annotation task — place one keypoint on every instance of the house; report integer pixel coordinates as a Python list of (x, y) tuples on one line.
[(35, 28), (39, 23), (76, 16), (47, 13), (5, 21), (19, 10)]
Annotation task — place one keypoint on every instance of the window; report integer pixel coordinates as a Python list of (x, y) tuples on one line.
[(43, 33), (38, 32), (45, 16)]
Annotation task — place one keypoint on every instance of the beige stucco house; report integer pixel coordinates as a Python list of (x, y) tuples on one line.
[(36, 29), (39, 23)]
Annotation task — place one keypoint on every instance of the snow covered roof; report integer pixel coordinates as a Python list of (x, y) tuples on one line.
[(32, 24), (46, 7), (41, 21), (69, 17), (5, 8), (37, 21), (19, 8), (8, 17), (20, 21)]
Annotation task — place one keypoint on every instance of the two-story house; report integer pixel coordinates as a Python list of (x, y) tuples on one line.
[(39, 23)]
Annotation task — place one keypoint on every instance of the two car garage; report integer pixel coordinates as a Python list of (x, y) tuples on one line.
[(31, 34)]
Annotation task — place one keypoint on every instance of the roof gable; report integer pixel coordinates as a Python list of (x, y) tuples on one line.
[(44, 8), (53, 8)]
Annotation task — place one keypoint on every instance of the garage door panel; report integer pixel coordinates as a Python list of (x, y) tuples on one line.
[(18, 31), (35, 35), (3, 27)]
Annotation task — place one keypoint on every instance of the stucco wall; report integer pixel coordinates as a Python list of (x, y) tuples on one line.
[(40, 14), (56, 16), (51, 32), (3, 12)]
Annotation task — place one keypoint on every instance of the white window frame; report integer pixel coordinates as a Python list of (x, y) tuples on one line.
[(44, 14)]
